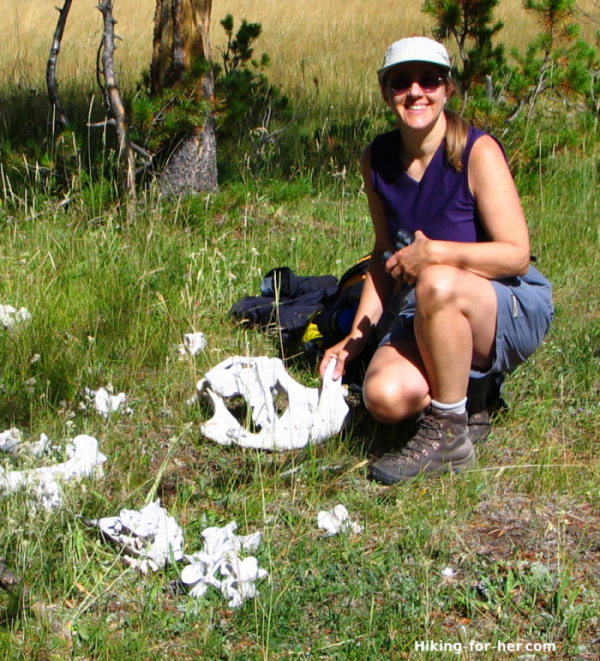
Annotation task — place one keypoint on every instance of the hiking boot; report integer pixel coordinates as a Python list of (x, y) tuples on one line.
[(484, 397), (440, 445), (480, 426)]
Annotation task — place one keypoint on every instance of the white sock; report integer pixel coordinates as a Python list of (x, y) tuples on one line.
[(457, 407)]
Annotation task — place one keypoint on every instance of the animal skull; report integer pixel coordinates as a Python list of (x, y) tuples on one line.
[(312, 416)]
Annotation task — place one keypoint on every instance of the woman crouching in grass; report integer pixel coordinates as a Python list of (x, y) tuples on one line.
[(471, 303)]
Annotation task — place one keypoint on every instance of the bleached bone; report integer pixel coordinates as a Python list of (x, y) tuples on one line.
[(10, 440), (313, 415), (105, 403), (221, 555), (84, 459), (149, 537), (193, 343), (10, 316), (337, 520)]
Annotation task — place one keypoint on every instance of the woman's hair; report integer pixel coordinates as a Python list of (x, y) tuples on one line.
[(457, 131)]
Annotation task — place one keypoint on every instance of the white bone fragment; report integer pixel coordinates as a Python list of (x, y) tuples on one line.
[(105, 403), (150, 535), (39, 448), (312, 415), (220, 555), (200, 575), (143, 565), (84, 459), (10, 316), (240, 576), (35, 449), (10, 440), (193, 343), (337, 520)]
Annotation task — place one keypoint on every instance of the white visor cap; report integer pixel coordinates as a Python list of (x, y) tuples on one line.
[(414, 49)]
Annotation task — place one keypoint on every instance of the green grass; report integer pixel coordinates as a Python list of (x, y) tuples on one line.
[(110, 303)]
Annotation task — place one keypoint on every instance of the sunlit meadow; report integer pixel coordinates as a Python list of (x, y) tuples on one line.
[(505, 554)]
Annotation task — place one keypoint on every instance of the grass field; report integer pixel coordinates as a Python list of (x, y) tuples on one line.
[(503, 555), (110, 304), (338, 43)]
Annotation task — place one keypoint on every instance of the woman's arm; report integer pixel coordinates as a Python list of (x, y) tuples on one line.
[(376, 289), (499, 208)]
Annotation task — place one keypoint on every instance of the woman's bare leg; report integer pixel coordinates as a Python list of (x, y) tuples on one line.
[(395, 385), (455, 327)]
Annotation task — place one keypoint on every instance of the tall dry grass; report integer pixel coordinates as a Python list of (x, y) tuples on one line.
[(316, 46), (30, 28)]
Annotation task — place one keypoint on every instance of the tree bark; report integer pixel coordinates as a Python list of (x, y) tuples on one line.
[(156, 84), (181, 35), (193, 164), (179, 60), (60, 116)]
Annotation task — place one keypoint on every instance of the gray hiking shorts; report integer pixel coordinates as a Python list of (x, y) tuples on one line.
[(524, 315)]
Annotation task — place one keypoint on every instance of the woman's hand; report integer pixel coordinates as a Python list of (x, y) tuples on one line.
[(406, 264), (343, 352)]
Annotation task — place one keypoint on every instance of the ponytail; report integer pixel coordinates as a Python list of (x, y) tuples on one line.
[(457, 131)]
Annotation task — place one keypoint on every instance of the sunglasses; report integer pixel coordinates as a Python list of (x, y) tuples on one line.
[(428, 83)]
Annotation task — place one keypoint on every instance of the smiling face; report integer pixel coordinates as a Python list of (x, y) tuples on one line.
[(416, 93)]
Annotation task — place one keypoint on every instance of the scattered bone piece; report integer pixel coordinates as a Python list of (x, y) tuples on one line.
[(10, 316), (220, 554), (10, 440), (105, 403), (150, 537), (37, 448), (337, 520), (84, 459), (200, 575), (18, 447), (312, 416), (193, 343), (240, 576)]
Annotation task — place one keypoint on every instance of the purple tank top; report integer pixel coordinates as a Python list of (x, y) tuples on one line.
[(441, 205)]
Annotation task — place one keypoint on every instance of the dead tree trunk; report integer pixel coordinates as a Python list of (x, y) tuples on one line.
[(115, 105), (60, 117), (181, 35)]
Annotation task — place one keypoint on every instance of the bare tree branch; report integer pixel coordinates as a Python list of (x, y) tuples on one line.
[(101, 125), (141, 151), (587, 15), (541, 86), (115, 103), (60, 117)]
